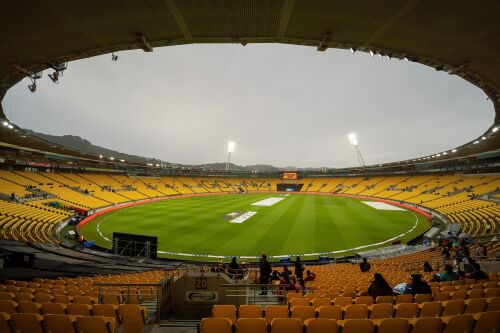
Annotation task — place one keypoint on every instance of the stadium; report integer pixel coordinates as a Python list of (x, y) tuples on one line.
[(96, 240)]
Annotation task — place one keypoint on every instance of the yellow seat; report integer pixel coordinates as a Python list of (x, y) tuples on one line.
[(42, 298), (28, 307), (59, 323), (251, 325), (406, 298), (133, 317), (225, 311), (430, 309), (393, 325), (368, 300), (286, 325), (421, 298), (384, 299), (95, 324), (493, 304), (215, 325), (65, 299), (406, 310), (475, 293), (441, 297), (475, 305), (458, 324), (453, 307), (23, 297), (379, 311), (27, 323), (321, 325), (459, 294), (290, 296), (426, 325), (303, 312), (79, 309), (357, 326), (299, 302), (342, 301), (317, 302), (487, 322), (8, 306), (356, 311), (491, 292), (105, 310), (275, 311), (330, 312), (4, 322), (84, 300), (250, 311), (53, 308)]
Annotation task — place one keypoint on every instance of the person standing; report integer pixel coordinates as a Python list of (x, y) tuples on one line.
[(364, 266), (265, 273), (299, 268)]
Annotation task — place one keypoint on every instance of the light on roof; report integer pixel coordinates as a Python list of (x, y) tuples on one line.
[(122, 160), (112, 158), (372, 53), (445, 153), (494, 129), (353, 49), (230, 146), (484, 138), (406, 58), (476, 142), (437, 155), (10, 126), (353, 139), (453, 150), (6, 123), (100, 156)]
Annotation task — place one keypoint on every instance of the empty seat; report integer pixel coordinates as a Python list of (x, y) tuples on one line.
[(4, 322), (430, 309), (393, 325), (368, 300), (215, 325), (276, 311), (25, 297), (342, 300), (106, 310), (406, 298), (441, 297), (303, 312), (406, 310), (317, 302), (475, 293), (65, 299), (286, 325), (493, 304), (84, 300), (299, 301), (356, 311), (379, 311), (53, 308), (225, 311), (290, 296), (59, 323), (250, 311), (330, 312), (251, 325), (421, 298), (28, 307), (357, 326), (321, 325), (42, 298), (384, 299), (27, 323), (426, 325), (96, 324), (8, 306), (459, 294), (475, 305), (453, 307), (133, 317), (78, 309), (487, 322), (491, 292), (458, 324)]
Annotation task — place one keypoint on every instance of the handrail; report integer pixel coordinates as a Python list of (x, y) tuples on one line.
[(128, 284)]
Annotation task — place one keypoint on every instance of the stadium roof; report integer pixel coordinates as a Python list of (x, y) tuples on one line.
[(460, 37)]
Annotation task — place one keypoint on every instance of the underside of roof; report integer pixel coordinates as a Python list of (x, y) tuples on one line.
[(460, 37)]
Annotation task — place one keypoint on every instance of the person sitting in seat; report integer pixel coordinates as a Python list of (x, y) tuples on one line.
[(310, 276), (418, 286), (477, 273), (379, 287), (365, 265), (448, 274)]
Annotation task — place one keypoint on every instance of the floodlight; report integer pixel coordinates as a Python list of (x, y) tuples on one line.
[(112, 158), (372, 53), (122, 160), (353, 49), (484, 138), (10, 126), (494, 129), (100, 156), (353, 139), (6, 123), (230, 146), (453, 150)]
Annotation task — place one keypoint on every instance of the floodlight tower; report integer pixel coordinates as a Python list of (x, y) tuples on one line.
[(354, 142), (230, 149)]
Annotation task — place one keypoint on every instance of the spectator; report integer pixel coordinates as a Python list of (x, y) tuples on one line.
[(234, 269), (477, 273), (448, 274), (446, 253), (379, 287), (275, 276), (299, 268), (302, 286), (427, 267), (265, 273), (310, 276), (365, 265), (418, 286), (285, 279)]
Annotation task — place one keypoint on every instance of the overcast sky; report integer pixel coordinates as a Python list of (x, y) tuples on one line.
[(283, 105)]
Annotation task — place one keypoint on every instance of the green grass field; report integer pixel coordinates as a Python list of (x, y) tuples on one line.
[(299, 224)]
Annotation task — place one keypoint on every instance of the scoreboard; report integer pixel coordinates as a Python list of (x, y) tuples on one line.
[(290, 176)]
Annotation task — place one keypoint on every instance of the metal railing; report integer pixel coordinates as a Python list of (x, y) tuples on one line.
[(250, 293)]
